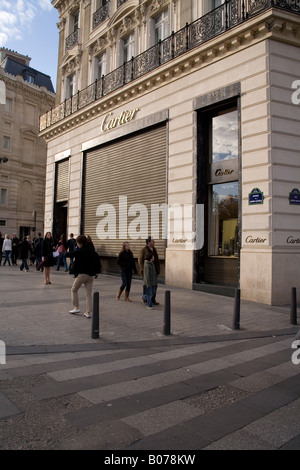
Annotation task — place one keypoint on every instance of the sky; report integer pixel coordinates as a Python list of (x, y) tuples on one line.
[(29, 27)]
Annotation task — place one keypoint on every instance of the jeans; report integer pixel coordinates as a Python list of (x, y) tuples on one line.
[(147, 297), (62, 260), (126, 276), (7, 256), (88, 284), (24, 265)]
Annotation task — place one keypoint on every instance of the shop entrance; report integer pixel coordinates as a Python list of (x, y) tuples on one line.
[(217, 263)]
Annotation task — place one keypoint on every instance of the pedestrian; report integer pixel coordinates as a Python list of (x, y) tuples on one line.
[(25, 249), (15, 249), (47, 256), (90, 242), (37, 250), (127, 265), (83, 272), (7, 248), (71, 246), (1, 245), (149, 279), (62, 248), (149, 248)]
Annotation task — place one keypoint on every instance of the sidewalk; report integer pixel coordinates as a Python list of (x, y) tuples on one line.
[(37, 314), (204, 386)]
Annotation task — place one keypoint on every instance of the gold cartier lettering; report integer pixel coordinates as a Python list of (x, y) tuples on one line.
[(249, 239), (220, 172), (110, 123)]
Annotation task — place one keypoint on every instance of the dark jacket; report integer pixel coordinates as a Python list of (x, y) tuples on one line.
[(47, 247), (142, 257), (24, 248), (126, 260), (83, 260)]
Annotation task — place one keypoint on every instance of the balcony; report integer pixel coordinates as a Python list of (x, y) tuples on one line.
[(120, 2), (225, 17), (100, 15), (72, 40)]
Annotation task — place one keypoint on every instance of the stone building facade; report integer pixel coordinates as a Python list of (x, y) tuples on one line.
[(26, 94), (180, 119)]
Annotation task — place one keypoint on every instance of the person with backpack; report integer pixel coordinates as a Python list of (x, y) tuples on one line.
[(62, 247), (84, 272)]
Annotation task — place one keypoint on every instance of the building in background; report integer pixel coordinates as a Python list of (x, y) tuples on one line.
[(26, 94), (189, 105)]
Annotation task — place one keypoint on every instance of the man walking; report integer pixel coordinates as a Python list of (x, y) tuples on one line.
[(149, 248)]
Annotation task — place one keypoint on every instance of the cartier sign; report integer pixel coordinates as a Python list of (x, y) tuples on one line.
[(291, 239), (110, 122), (225, 172), (251, 239)]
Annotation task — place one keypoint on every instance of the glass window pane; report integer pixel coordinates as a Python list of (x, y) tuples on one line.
[(223, 225), (225, 136)]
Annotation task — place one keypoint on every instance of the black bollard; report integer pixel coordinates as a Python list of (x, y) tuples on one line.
[(293, 316), (95, 319), (167, 313), (236, 312)]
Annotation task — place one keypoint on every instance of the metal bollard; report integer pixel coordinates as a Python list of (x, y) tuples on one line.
[(167, 313), (236, 312), (95, 319), (293, 314)]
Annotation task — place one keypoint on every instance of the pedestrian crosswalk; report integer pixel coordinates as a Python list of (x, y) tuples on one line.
[(209, 394)]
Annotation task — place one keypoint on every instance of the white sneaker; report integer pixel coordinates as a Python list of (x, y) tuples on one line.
[(150, 308), (87, 315), (75, 310)]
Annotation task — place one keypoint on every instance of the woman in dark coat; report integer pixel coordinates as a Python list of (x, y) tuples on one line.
[(47, 256), (127, 265)]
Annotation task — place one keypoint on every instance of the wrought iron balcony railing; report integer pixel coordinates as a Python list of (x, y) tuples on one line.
[(100, 15), (120, 2), (72, 40), (226, 16)]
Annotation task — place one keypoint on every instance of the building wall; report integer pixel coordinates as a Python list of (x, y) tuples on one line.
[(264, 63), (24, 174)]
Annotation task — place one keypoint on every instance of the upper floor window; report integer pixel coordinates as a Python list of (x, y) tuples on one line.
[(6, 143), (3, 196), (99, 66), (76, 21), (8, 105), (70, 87), (161, 26), (128, 48), (30, 78), (100, 3), (214, 4)]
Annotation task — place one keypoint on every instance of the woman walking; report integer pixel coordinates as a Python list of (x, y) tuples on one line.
[(127, 265), (84, 274), (7, 247), (47, 256)]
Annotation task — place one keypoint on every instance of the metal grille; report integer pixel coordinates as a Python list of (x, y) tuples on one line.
[(133, 168), (62, 181)]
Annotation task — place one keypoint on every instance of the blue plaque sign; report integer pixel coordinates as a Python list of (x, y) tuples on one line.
[(256, 196), (294, 196)]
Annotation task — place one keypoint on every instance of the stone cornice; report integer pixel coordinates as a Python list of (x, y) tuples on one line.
[(273, 24), (17, 82)]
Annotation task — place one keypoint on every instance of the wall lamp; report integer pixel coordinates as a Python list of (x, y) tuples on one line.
[(3, 159)]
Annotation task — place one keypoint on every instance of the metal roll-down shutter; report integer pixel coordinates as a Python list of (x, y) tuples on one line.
[(133, 168)]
